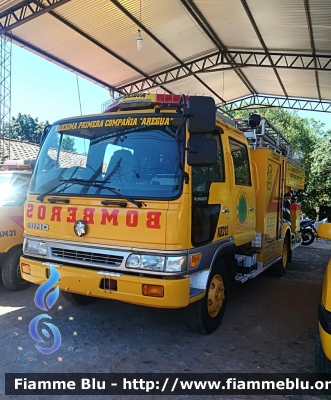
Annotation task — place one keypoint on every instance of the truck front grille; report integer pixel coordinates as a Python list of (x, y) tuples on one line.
[(87, 256)]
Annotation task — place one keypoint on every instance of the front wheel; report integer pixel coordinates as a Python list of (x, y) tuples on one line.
[(206, 315), (307, 237), (11, 274)]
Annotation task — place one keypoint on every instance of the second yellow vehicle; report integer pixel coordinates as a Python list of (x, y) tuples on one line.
[(323, 337), (13, 189)]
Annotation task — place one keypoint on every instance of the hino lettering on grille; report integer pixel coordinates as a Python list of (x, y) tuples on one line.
[(42, 227)]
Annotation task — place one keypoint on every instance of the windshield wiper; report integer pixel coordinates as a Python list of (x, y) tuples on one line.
[(100, 184), (112, 203), (42, 195)]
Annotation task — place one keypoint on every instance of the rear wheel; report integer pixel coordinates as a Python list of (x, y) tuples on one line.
[(10, 272), (206, 315), (279, 269), (307, 237), (79, 299), (322, 363)]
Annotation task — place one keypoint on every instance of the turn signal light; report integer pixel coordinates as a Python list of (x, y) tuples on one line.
[(195, 260), (26, 268), (153, 290)]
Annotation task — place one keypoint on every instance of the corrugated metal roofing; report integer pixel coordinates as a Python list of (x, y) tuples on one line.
[(97, 39), (6, 4), (325, 84), (230, 22), (282, 24)]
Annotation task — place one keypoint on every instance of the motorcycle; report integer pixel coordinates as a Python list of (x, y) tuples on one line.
[(308, 229)]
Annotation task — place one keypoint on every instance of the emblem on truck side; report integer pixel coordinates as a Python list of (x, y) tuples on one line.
[(80, 228), (242, 209)]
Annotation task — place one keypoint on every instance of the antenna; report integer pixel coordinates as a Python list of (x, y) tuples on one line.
[(80, 104)]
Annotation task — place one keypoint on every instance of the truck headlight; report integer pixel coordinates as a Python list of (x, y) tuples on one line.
[(34, 247), (156, 263)]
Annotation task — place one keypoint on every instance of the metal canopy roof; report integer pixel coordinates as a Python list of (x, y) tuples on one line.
[(240, 52)]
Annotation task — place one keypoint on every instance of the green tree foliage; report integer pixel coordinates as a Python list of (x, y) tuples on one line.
[(67, 143), (319, 183), (26, 128), (312, 144)]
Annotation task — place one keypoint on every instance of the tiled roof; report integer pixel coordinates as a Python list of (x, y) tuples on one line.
[(12, 149)]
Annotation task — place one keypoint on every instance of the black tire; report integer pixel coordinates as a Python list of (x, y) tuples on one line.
[(279, 269), (199, 314), (10, 272), (78, 299), (308, 237), (322, 363)]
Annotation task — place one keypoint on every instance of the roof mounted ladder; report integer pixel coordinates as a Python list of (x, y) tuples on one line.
[(261, 133)]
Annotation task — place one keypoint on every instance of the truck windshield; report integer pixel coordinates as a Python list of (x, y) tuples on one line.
[(140, 161)]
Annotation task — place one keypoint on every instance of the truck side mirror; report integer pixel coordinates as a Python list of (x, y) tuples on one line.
[(201, 112), (202, 152)]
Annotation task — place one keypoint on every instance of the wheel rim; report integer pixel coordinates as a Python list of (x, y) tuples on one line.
[(307, 237), (285, 250), (18, 273), (216, 295)]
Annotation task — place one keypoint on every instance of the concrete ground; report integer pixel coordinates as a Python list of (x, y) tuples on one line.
[(269, 326)]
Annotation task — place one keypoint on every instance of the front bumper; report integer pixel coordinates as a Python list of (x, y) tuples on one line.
[(129, 287), (324, 319)]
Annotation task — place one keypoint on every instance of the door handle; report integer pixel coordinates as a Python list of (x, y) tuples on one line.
[(226, 210), (252, 209)]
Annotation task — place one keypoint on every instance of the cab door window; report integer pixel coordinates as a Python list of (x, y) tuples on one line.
[(202, 177), (239, 153), (205, 215)]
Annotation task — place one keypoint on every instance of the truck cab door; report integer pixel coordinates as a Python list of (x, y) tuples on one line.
[(242, 193), (210, 197)]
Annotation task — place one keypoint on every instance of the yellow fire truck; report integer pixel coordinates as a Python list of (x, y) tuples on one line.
[(14, 182), (323, 337), (159, 203)]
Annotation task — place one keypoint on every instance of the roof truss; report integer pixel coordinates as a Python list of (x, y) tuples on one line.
[(312, 44), (159, 42), (26, 11), (220, 60), (250, 102), (213, 37), (231, 60), (258, 34)]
